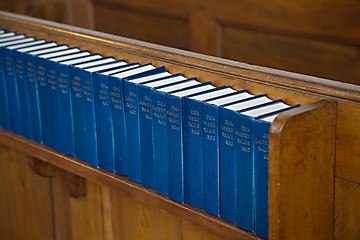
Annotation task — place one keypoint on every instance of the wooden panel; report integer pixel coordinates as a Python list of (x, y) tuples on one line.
[(86, 214), (204, 33), (136, 220), (141, 25), (92, 205), (220, 71), (192, 232), (61, 209), (292, 53), (347, 210), (51, 9), (337, 20), (301, 173), (25, 199), (84, 17), (348, 142)]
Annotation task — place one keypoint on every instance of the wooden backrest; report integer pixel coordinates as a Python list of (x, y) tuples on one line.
[(314, 151)]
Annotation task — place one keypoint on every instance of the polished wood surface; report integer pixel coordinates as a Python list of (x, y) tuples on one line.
[(319, 39), (316, 38), (302, 149), (81, 209), (76, 190), (347, 210), (54, 10)]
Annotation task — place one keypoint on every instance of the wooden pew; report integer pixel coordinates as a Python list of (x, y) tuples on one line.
[(314, 160)]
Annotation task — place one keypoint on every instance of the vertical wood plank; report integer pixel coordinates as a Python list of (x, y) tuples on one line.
[(347, 210), (204, 33), (107, 213), (301, 173), (80, 13), (26, 203), (61, 206), (86, 214), (192, 232), (135, 220), (348, 131)]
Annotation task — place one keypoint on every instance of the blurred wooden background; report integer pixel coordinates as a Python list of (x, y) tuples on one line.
[(320, 38)]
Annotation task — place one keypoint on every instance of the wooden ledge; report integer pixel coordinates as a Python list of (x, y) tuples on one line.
[(121, 183)]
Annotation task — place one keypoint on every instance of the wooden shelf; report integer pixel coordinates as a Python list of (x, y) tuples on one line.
[(313, 150), (121, 183)]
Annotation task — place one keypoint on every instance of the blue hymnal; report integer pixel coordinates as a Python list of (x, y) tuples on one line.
[(170, 146), (193, 160), (4, 101), (83, 108), (257, 131), (146, 103), (20, 78), (133, 159), (228, 165), (32, 87), (10, 83)]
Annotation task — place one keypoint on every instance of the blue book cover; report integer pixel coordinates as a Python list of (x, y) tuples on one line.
[(193, 154), (131, 109), (46, 77), (210, 148), (74, 115), (16, 123), (228, 164), (4, 103), (161, 127), (12, 92), (116, 101), (4, 107), (147, 125), (259, 120), (245, 208), (66, 127), (83, 108), (170, 145), (103, 113), (19, 66), (103, 116), (32, 87), (174, 138), (54, 112), (118, 120)]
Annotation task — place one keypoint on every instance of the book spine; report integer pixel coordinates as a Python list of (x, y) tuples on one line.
[(53, 107), (13, 93), (44, 102), (146, 144), (90, 139), (260, 149), (104, 122), (175, 147), (210, 144), (23, 93), (34, 105), (78, 113), (160, 149), (193, 167), (244, 171), (66, 118), (132, 131), (4, 106), (119, 129), (227, 165)]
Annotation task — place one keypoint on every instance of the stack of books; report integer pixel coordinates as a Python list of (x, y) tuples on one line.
[(196, 143)]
